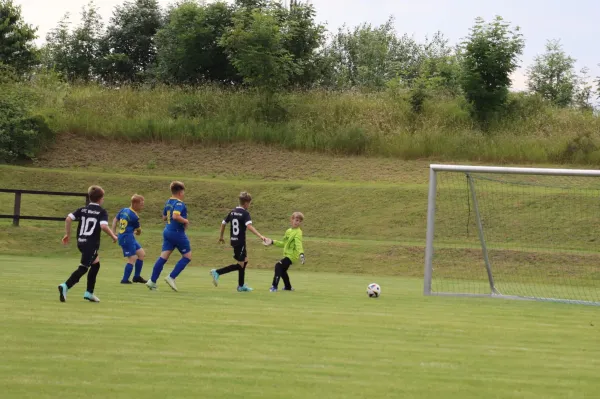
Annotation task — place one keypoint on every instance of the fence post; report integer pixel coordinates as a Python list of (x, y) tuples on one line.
[(17, 210)]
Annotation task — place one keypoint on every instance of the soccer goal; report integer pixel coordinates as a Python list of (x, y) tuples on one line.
[(518, 233)]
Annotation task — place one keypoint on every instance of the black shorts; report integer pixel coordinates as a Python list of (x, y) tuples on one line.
[(239, 253), (88, 255)]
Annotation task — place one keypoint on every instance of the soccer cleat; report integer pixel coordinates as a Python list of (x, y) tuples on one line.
[(126, 282), (62, 290), (139, 279), (90, 297), (287, 289), (151, 285), (273, 289), (171, 283), (244, 288), (215, 277)]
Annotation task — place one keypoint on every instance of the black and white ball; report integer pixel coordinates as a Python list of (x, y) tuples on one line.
[(374, 290)]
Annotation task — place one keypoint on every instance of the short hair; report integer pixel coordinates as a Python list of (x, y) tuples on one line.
[(177, 187), (298, 215), (136, 199), (245, 198), (95, 193)]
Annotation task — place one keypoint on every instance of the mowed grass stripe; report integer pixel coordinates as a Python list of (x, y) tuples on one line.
[(326, 339)]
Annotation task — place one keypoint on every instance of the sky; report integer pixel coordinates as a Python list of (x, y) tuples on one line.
[(573, 22)]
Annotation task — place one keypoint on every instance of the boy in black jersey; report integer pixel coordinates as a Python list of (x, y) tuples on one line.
[(92, 218), (239, 219)]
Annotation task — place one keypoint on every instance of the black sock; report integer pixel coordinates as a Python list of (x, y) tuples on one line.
[(228, 269), (76, 275), (242, 275), (91, 279)]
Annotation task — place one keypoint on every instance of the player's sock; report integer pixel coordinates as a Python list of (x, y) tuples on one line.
[(183, 262), (91, 278), (127, 272), (228, 269), (277, 276), (75, 276), (242, 275), (138, 268), (157, 269)]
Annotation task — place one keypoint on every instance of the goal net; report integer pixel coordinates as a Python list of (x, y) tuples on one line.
[(521, 233)]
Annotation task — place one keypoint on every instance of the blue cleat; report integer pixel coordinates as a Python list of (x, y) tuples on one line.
[(215, 277), (244, 288), (62, 290), (273, 289)]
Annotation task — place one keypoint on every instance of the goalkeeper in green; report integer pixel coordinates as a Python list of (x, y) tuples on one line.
[(292, 252)]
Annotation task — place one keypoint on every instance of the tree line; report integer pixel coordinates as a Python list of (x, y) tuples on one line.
[(264, 45)]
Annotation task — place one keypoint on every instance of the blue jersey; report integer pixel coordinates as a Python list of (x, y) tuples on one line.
[(128, 221), (174, 207)]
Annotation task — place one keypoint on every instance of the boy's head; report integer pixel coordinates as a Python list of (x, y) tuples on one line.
[(137, 202), (297, 219), (245, 199), (96, 194), (178, 189)]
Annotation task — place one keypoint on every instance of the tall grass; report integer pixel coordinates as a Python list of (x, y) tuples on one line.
[(335, 122)]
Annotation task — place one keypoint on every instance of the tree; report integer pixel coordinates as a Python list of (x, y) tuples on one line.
[(583, 91), (188, 49), (76, 54), (490, 55), (255, 45), (128, 47), (16, 38), (552, 75)]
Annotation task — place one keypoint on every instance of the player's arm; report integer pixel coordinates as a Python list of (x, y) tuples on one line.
[(222, 232), (177, 217), (108, 231), (114, 225), (299, 246), (256, 233), (68, 223), (104, 226), (281, 243)]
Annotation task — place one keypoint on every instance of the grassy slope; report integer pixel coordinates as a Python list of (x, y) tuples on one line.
[(326, 339)]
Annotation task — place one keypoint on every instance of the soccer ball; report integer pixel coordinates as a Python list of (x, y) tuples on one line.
[(373, 290)]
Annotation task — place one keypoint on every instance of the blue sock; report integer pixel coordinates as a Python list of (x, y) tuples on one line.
[(138, 267), (127, 273), (158, 267), (183, 262)]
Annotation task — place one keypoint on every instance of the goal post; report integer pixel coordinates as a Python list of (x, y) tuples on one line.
[(517, 233)]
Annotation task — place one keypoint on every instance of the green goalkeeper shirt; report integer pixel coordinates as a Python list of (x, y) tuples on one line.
[(291, 244)]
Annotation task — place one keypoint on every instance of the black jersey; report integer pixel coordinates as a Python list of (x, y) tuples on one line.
[(91, 217), (239, 219)]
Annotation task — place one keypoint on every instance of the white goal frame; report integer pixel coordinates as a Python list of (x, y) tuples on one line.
[(434, 169)]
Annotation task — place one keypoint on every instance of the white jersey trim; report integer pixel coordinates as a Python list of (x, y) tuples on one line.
[(248, 222), (103, 223), (223, 222), (71, 216)]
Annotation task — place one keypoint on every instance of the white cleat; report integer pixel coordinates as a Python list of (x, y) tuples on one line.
[(91, 297), (171, 283), (151, 285)]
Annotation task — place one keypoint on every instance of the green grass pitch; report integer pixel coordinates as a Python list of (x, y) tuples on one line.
[(327, 339)]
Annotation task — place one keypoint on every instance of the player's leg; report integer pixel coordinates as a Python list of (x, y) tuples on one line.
[(91, 280), (277, 276), (228, 269), (139, 264), (76, 275), (167, 248), (183, 245), (286, 263), (242, 263), (128, 248)]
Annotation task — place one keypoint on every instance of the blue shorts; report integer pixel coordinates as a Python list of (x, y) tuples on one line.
[(176, 240), (129, 245)]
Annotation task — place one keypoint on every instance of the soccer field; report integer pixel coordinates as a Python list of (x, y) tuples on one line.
[(327, 339)]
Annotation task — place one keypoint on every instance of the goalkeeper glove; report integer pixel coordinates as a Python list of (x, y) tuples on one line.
[(302, 258)]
